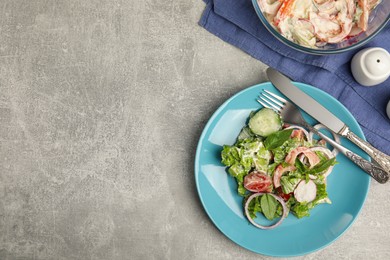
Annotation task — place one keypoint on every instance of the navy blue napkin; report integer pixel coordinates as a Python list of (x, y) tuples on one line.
[(236, 22)]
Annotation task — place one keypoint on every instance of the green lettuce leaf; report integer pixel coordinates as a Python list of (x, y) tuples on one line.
[(241, 189), (281, 152), (242, 157), (301, 210), (289, 183), (230, 155), (254, 207), (237, 171)]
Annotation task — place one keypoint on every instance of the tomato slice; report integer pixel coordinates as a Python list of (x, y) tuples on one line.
[(258, 182), (283, 195)]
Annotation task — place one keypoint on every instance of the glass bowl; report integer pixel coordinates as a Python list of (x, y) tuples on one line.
[(377, 21)]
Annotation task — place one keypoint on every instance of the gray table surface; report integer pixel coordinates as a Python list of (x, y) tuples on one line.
[(102, 104)]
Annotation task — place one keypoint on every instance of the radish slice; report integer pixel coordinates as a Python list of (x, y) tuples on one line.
[(305, 192), (336, 138), (281, 201)]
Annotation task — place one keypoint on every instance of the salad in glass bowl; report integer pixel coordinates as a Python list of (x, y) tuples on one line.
[(323, 26)]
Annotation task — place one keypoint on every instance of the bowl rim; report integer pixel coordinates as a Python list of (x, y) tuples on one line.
[(304, 49)]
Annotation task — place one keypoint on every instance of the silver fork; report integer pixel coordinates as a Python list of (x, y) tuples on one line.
[(291, 114)]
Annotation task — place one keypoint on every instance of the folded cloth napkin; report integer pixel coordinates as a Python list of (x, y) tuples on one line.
[(236, 22)]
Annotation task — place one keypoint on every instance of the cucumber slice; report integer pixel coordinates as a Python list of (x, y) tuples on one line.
[(265, 122), (245, 133)]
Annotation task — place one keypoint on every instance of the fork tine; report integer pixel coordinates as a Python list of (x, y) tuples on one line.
[(270, 104), (275, 96), (264, 104), (272, 99)]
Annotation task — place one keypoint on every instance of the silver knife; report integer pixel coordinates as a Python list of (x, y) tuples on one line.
[(324, 116)]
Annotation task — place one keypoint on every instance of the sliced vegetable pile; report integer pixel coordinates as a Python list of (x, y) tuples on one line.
[(278, 168), (314, 23)]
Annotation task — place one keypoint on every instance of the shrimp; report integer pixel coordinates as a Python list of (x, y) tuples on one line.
[(325, 26), (269, 6), (284, 11), (363, 21), (373, 3), (344, 18), (293, 8), (355, 31), (325, 6)]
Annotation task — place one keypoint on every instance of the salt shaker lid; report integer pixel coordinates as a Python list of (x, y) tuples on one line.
[(377, 62), (371, 66)]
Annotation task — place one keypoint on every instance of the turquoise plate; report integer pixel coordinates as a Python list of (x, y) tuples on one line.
[(347, 184)]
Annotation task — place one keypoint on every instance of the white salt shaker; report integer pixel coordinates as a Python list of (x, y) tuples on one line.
[(371, 66), (388, 109)]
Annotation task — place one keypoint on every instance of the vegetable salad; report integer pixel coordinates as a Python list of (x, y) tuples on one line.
[(278, 168), (314, 23)]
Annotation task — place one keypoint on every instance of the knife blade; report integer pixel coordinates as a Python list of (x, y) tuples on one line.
[(324, 116), (305, 102)]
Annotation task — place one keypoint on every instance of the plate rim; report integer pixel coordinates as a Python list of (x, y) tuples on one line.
[(198, 150)]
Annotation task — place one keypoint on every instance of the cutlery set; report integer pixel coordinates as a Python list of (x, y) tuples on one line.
[(379, 170)]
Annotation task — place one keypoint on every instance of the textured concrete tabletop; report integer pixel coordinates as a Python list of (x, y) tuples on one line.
[(102, 103)]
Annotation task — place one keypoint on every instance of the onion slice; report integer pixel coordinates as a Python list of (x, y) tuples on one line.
[(336, 138), (308, 136), (281, 201)]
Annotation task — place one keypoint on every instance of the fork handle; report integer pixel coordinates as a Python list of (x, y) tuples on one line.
[(379, 174), (382, 159)]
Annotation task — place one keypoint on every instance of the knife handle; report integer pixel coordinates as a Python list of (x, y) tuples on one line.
[(374, 171), (382, 159)]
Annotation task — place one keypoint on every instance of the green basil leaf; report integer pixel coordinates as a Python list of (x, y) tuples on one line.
[(321, 156), (277, 139), (322, 166), (300, 166), (268, 206)]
